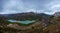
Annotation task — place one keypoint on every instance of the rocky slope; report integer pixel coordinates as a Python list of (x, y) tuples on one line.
[(57, 14), (41, 25)]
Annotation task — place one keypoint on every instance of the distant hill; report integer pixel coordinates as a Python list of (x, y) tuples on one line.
[(25, 16)]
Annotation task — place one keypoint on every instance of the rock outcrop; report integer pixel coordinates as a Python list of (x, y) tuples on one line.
[(57, 14)]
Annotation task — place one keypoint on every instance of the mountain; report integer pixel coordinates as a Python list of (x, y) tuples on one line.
[(57, 14), (48, 23), (25, 16)]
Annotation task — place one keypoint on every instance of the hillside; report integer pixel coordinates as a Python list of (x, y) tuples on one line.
[(25, 16), (54, 27), (44, 23)]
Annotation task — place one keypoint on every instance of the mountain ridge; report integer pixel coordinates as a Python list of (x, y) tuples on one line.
[(26, 16)]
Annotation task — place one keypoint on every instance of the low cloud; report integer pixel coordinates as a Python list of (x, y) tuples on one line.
[(39, 6)]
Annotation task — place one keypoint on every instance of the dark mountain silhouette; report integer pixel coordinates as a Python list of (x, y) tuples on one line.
[(25, 16)]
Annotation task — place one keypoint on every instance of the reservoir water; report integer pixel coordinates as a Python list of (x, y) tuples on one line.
[(23, 22)]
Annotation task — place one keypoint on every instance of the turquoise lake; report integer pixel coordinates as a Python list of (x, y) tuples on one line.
[(23, 22)]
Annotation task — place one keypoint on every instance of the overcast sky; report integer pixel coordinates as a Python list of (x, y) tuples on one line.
[(39, 6)]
